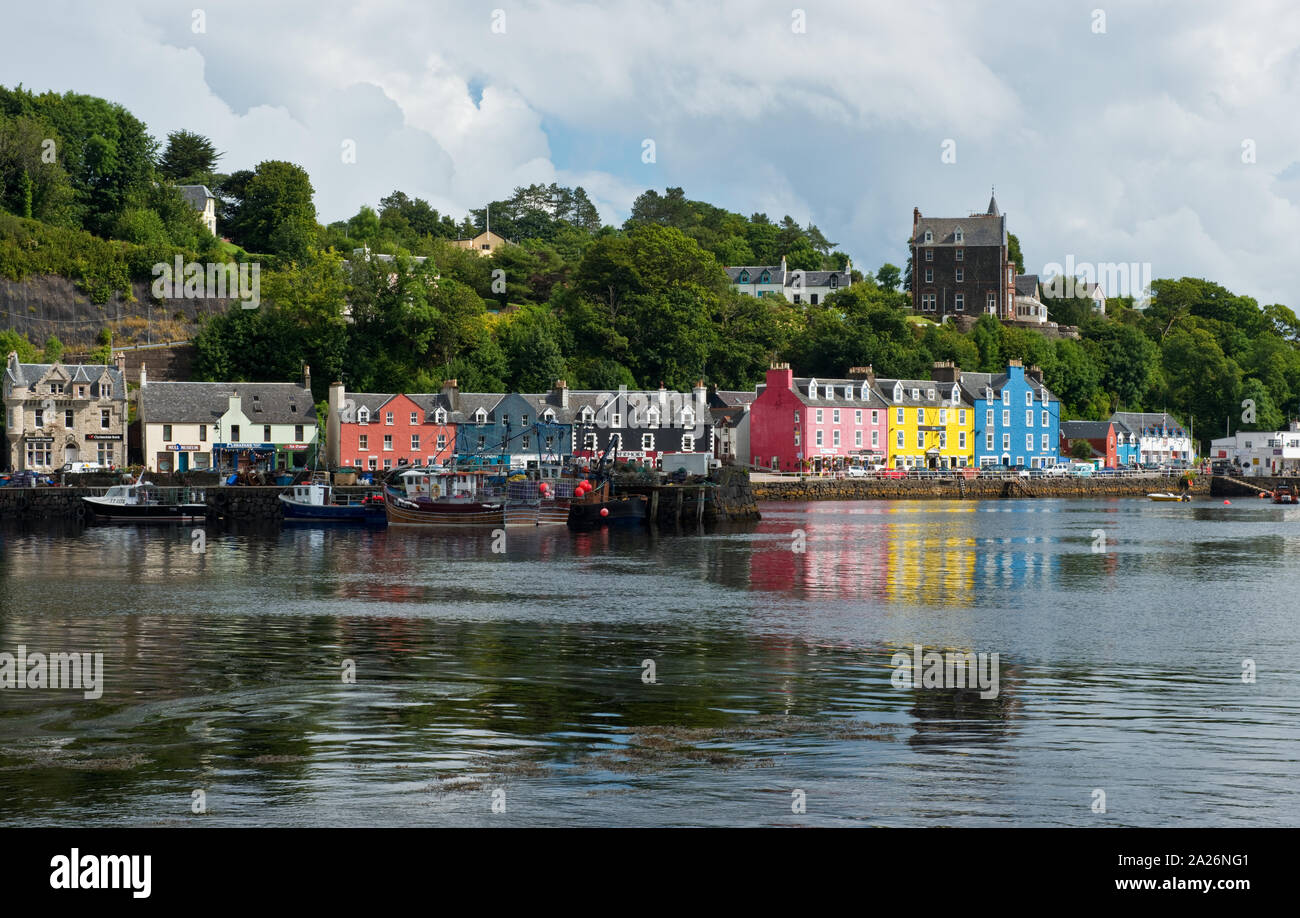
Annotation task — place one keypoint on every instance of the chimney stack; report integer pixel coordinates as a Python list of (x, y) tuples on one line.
[(868, 373), (144, 375), (916, 216), (1035, 373), (562, 392), (945, 371), (119, 361), (451, 391)]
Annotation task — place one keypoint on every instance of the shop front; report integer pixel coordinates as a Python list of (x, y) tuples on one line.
[(106, 449), (183, 457), (243, 457)]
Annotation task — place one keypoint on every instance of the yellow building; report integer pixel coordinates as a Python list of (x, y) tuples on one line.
[(930, 426), (482, 244)]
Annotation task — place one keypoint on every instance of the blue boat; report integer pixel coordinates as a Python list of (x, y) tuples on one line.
[(316, 502)]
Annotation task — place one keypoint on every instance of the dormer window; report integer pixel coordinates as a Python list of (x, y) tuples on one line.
[(929, 394), (956, 395), (440, 416), (548, 416), (958, 236), (480, 416), (866, 392), (363, 416), (829, 391), (929, 237), (765, 278), (812, 388), (898, 392), (835, 281), (587, 414), (744, 277), (916, 394)]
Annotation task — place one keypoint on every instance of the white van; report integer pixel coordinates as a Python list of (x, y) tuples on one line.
[(78, 468)]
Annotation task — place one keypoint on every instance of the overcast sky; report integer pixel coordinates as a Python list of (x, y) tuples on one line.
[(1117, 146)]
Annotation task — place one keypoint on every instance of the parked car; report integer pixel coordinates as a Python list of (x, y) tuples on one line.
[(856, 471), (1060, 470), (1081, 469)]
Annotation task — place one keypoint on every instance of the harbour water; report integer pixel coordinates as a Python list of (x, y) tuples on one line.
[(639, 678)]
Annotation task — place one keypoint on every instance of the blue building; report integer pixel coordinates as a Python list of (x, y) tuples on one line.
[(1017, 418), (517, 430), (1127, 446)]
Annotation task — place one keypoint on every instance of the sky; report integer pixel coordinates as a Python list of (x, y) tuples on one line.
[(1158, 133)]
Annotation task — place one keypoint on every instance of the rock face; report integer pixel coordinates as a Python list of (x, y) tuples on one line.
[(961, 489)]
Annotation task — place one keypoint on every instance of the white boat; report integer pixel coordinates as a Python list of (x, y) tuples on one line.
[(143, 502), (1169, 496)]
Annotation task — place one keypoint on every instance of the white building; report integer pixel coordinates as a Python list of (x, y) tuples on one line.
[(203, 426), (1160, 438), (204, 201), (1261, 452), (795, 286)]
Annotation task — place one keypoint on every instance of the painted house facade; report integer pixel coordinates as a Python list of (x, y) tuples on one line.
[(1017, 418), (930, 424), (643, 427), (380, 432), (57, 413), (1161, 438), (222, 426), (1126, 445), (961, 265), (1100, 436), (817, 424), (1261, 452), (797, 286), (730, 413), (202, 200)]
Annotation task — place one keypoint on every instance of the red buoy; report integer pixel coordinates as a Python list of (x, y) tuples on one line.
[(604, 511)]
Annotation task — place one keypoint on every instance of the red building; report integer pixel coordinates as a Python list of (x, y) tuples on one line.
[(817, 424), (1099, 435), (375, 431)]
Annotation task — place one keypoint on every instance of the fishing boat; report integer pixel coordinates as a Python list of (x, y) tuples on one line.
[(142, 502), (596, 507), (315, 501), (1169, 496), (444, 497), (1285, 494)]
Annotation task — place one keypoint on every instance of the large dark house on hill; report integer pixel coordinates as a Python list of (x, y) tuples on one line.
[(961, 265)]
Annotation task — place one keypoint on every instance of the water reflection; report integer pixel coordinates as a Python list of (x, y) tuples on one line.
[(224, 669)]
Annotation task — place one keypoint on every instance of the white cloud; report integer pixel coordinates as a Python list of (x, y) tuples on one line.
[(1123, 146)]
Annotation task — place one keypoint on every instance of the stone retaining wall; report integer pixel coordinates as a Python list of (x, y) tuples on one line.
[(237, 503)]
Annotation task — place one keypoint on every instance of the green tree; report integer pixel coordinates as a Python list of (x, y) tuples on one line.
[(189, 158), (889, 277)]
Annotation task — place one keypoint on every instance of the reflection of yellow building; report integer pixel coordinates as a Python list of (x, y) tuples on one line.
[(931, 560), (929, 424)]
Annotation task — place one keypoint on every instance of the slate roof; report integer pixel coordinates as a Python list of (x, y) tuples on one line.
[(790, 277), (977, 229), (1085, 430), (205, 402), (727, 417), (942, 393), (732, 398), (1027, 285), (196, 195), (22, 375), (973, 385), (1141, 422)]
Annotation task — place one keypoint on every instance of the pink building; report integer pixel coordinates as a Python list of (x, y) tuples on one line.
[(817, 424)]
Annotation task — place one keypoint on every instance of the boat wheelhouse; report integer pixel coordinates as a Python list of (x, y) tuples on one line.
[(316, 501)]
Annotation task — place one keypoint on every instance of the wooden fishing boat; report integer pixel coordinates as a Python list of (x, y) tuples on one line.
[(444, 497), (142, 502)]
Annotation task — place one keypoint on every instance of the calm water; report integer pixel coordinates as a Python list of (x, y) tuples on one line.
[(518, 678)]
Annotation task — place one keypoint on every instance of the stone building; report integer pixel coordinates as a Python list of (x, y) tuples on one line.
[(58, 413), (961, 265)]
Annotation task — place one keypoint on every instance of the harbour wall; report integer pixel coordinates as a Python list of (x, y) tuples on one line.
[(241, 502)]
